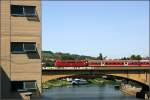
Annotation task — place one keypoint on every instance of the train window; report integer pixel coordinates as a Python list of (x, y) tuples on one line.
[(147, 63), (135, 63)]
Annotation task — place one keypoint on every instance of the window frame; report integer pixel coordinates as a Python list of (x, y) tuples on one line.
[(24, 11), (22, 84), (24, 14), (29, 43), (13, 51), (23, 48)]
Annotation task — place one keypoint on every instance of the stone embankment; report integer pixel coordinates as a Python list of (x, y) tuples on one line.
[(129, 90)]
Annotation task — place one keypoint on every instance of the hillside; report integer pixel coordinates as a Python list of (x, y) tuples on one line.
[(49, 57)]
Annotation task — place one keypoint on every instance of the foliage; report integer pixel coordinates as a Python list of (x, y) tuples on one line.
[(48, 57), (55, 83), (100, 57), (132, 57)]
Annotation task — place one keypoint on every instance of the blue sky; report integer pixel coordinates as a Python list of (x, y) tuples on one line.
[(113, 28)]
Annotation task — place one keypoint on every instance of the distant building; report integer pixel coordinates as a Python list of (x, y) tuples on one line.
[(20, 47)]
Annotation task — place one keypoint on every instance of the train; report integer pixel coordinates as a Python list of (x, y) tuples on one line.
[(102, 63)]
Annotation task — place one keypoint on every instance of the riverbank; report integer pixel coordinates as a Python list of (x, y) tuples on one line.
[(55, 83), (129, 90), (62, 83), (101, 81)]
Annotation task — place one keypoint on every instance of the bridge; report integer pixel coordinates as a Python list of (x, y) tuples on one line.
[(140, 75)]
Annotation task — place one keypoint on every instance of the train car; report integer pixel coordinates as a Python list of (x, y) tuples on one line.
[(138, 63), (134, 63), (103, 63), (106, 63), (94, 63), (113, 63), (144, 63), (71, 63)]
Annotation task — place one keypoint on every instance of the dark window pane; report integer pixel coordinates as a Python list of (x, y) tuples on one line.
[(16, 9), (29, 10), (16, 85), (29, 47), (16, 47), (30, 85)]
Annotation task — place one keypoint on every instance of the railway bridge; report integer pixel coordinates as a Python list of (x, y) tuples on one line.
[(140, 75)]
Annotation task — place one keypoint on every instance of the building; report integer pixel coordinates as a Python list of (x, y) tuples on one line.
[(20, 47)]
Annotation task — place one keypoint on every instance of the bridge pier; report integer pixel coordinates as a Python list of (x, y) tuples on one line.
[(144, 93)]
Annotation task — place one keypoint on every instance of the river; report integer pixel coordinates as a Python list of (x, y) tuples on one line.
[(85, 92)]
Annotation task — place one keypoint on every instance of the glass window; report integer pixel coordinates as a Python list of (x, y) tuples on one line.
[(29, 47), (22, 47), (16, 85), (22, 10), (16, 47), (29, 10), (29, 85), (23, 85), (16, 10)]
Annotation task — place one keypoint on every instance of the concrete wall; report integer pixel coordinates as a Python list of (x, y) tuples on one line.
[(16, 67)]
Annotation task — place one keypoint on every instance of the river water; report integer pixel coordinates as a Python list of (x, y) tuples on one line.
[(85, 92)]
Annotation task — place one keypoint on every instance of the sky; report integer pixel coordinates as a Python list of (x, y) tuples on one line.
[(113, 28)]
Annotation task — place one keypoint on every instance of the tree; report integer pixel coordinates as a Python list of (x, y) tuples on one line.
[(100, 57), (125, 58), (138, 57), (135, 57)]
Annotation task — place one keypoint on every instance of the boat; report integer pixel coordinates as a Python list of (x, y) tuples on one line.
[(79, 82)]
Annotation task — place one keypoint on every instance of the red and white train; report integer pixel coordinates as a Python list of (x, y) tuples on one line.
[(102, 63)]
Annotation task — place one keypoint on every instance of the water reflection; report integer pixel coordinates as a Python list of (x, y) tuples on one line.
[(85, 92)]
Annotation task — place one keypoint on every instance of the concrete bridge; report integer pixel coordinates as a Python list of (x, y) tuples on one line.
[(138, 74)]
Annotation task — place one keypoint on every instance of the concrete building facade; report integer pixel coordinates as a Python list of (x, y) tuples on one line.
[(20, 47)]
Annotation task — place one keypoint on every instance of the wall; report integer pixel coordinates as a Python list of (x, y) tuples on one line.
[(16, 67)]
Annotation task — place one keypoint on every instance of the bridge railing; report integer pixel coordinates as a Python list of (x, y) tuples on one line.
[(93, 68)]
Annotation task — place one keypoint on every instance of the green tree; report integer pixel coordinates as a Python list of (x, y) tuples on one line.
[(135, 57), (100, 57), (125, 58), (138, 57)]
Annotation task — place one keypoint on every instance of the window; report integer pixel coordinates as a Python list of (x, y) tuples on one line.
[(16, 85), (23, 85), (29, 85), (16, 47), (19, 10), (29, 47), (29, 10), (23, 47)]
